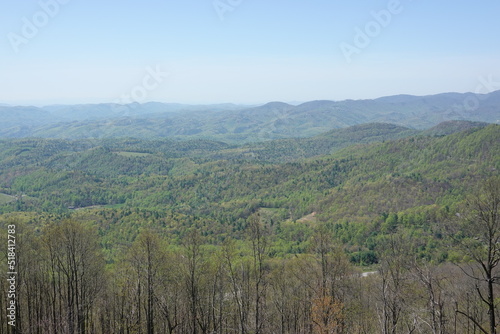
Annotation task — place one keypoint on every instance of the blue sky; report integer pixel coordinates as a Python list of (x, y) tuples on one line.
[(243, 51)]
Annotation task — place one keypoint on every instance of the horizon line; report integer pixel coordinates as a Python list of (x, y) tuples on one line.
[(243, 104)]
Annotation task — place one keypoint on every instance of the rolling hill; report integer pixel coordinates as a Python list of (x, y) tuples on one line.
[(225, 183), (240, 124)]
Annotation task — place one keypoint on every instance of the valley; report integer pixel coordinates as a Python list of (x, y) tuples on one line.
[(285, 222)]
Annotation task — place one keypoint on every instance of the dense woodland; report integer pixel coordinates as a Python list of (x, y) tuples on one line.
[(374, 229)]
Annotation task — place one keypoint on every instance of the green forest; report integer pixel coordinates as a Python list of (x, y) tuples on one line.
[(375, 228)]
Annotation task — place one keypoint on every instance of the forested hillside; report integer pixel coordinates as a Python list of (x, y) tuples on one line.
[(239, 124), (165, 236)]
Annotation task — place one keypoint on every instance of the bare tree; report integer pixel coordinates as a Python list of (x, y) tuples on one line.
[(394, 279), (328, 307), (169, 298), (147, 256), (433, 280), (239, 283), (194, 262), (476, 233), (79, 263), (260, 247)]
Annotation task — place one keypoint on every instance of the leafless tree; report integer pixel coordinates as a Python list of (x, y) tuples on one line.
[(79, 266), (476, 233)]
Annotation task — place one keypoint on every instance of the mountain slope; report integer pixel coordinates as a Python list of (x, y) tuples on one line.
[(293, 149), (450, 127), (358, 183), (239, 124)]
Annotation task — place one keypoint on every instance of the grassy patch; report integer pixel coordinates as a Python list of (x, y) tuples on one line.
[(114, 206), (132, 154), (4, 198)]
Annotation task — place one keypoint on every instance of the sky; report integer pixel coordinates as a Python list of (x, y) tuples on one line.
[(244, 51)]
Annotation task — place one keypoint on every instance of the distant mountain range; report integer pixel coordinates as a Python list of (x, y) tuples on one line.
[(239, 124)]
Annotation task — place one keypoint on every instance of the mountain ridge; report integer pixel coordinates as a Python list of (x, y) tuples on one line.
[(242, 124)]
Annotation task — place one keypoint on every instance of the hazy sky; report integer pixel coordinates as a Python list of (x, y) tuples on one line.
[(244, 51)]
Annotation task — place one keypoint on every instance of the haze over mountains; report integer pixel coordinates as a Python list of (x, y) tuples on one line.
[(239, 124), (375, 196)]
